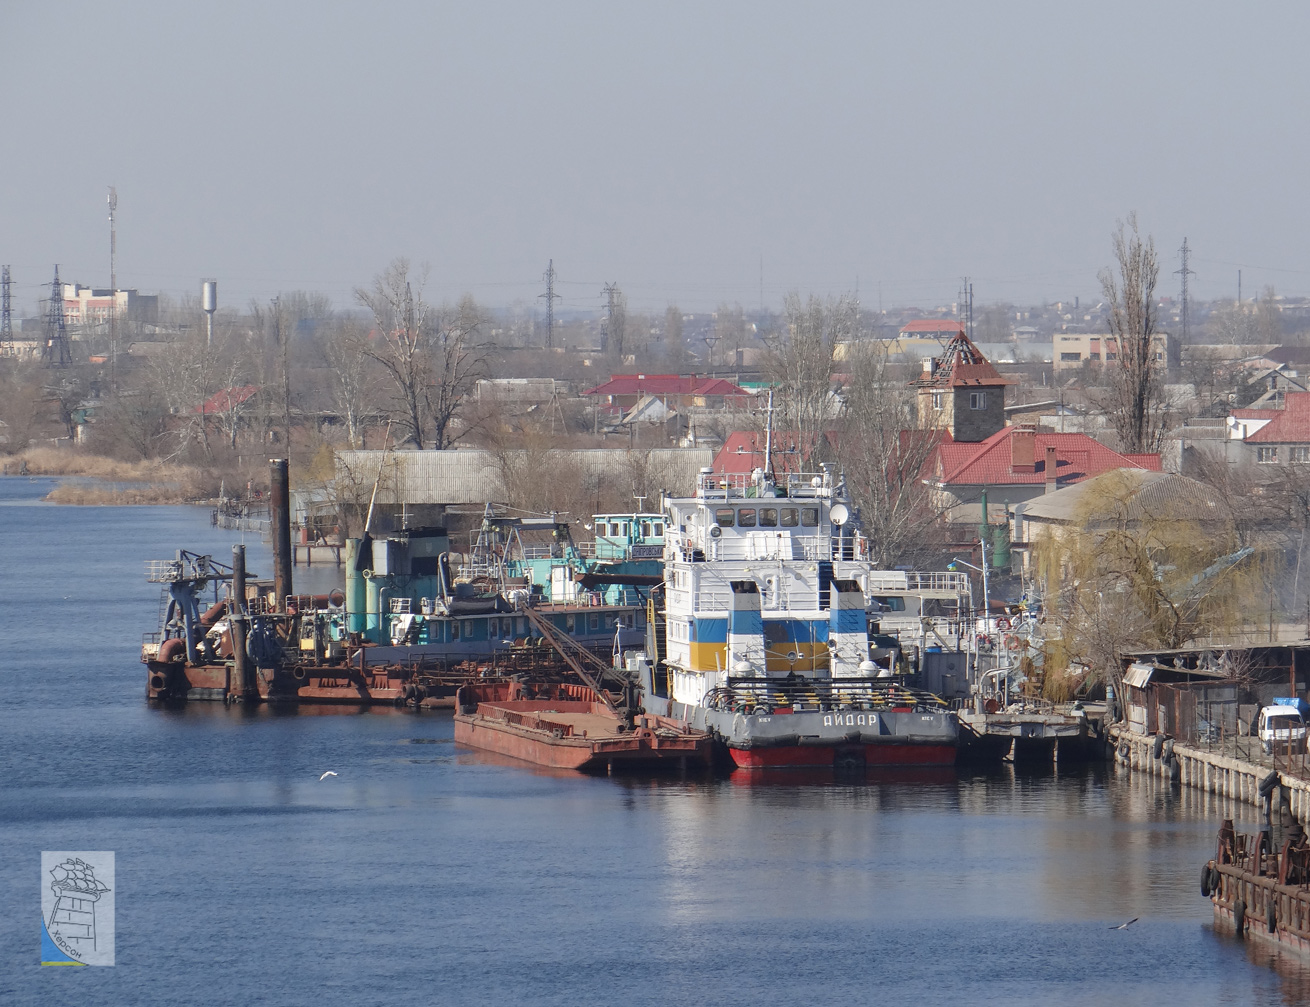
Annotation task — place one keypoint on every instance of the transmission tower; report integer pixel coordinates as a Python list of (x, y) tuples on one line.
[(6, 318), (551, 297), (1184, 253), (57, 352), (607, 331)]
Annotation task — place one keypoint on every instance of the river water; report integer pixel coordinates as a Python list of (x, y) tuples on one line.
[(426, 873)]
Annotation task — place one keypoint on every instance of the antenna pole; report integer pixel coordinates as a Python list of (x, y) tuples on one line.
[(768, 438)]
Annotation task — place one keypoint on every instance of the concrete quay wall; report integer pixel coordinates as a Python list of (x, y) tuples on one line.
[(1211, 772)]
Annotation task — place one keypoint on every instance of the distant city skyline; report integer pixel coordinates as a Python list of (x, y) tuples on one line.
[(696, 154)]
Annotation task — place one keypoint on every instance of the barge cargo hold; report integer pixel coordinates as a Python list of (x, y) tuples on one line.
[(1259, 893), (571, 727)]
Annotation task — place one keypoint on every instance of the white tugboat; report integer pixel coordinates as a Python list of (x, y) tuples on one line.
[(766, 639)]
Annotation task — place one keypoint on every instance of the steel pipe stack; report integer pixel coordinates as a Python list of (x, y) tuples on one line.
[(280, 512)]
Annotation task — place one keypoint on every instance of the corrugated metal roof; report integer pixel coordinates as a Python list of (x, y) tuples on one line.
[(473, 476)]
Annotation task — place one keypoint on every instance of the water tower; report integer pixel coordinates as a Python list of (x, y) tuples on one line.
[(209, 304)]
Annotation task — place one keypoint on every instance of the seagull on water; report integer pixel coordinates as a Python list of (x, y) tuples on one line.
[(1125, 926), (330, 773)]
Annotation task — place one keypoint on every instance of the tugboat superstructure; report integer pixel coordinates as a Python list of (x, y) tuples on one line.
[(767, 639)]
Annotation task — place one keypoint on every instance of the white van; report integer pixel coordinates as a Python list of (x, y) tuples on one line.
[(1281, 726)]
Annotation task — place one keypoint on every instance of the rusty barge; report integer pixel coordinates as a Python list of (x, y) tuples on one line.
[(566, 726), (1260, 892)]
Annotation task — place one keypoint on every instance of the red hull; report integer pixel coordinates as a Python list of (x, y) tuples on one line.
[(826, 756)]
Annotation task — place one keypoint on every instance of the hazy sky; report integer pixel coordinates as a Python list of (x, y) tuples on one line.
[(669, 147)]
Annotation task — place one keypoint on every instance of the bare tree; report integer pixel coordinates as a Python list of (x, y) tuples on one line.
[(459, 359), (883, 455), (800, 363), (401, 315), (1136, 399), (350, 376)]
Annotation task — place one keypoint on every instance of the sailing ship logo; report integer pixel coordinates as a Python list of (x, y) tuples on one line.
[(77, 908)]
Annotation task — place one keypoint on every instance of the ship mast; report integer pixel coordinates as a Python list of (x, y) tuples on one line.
[(768, 438)]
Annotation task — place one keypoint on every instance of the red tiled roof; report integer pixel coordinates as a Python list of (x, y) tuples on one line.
[(990, 462), (665, 384), (226, 400), (1289, 425), (1253, 414), (961, 364), (931, 326)]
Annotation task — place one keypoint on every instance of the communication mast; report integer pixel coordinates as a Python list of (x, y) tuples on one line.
[(1185, 253), (6, 318), (551, 297), (57, 351)]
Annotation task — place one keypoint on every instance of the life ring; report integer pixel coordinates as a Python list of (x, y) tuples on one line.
[(1002, 624), (1012, 642), (299, 673)]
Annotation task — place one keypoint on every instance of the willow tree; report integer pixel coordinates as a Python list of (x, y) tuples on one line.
[(1135, 401), (1146, 561)]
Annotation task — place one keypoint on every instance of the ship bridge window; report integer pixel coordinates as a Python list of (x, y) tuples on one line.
[(724, 517), (645, 529), (790, 517), (615, 529), (768, 517), (746, 517), (810, 517), (890, 604), (659, 528)]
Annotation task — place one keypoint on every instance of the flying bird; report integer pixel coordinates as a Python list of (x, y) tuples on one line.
[(1125, 926), (330, 773)]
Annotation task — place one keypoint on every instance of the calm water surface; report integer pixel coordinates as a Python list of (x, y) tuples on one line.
[(425, 873)]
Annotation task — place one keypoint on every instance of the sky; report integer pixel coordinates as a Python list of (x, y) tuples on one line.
[(692, 153)]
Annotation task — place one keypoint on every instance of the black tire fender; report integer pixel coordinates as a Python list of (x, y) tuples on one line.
[(1206, 888), (1268, 784), (1215, 878), (1239, 917), (1271, 916), (1167, 751), (1157, 749)]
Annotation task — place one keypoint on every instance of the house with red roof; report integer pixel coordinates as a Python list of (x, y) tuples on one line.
[(676, 391), (227, 400), (1017, 464), (1274, 436)]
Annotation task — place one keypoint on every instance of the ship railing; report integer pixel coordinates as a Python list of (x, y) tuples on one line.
[(530, 721), (914, 580), (765, 695), (163, 571)]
